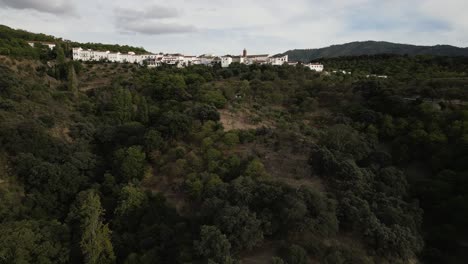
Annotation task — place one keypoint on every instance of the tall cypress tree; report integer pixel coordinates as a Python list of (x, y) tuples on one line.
[(72, 79), (60, 63), (142, 110), (94, 236), (123, 106)]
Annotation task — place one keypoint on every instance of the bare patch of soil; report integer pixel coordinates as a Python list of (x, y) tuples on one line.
[(261, 254), (239, 120), (61, 132)]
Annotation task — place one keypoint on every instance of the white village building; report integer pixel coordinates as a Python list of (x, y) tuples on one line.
[(278, 60), (315, 67), (180, 61), (253, 59), (92, 55), (50, 45)]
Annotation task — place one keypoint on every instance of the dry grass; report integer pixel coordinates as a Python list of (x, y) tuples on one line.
[(261, 254), (94, 76), (240, 120), (61, 132)]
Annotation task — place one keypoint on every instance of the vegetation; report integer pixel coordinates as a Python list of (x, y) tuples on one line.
[(373, 48), (14, 43), (336, 168)]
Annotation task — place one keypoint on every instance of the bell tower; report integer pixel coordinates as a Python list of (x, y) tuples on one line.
[(244, 53)]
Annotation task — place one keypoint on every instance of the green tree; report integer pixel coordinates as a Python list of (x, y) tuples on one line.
[(60, 55), (345, 139), (295, 254), (142, 111), (122, 105), (215, 98), (231, 139), (130, 163), (153, 140), (94, 236), (131, 198), (204, 112), (72, 79), (213, 245), (240, 225), (255, 169), (31, 241)]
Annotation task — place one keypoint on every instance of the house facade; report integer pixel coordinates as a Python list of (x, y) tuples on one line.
[(50, 45), (254, 59), (315, 67)]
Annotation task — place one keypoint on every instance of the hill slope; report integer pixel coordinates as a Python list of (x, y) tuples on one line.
[(372, 48), (14, 43)]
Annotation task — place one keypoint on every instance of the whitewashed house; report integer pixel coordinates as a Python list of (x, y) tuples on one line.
[(254, 59), (179, 60), (278, 60), (226, 61), (50, 45), (315, 67)]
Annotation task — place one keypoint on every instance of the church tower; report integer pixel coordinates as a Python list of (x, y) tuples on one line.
[(244, 54)]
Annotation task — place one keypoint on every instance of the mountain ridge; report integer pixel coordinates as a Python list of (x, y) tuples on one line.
[(371, 47)]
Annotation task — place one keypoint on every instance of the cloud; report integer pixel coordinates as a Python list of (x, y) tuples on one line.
[(156, 28), (151, 21), (153, 12), (57, 7)]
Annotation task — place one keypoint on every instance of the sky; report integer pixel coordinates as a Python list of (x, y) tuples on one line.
[(227, 27)]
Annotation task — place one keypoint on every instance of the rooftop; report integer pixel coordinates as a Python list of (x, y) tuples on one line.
[(261, 55)]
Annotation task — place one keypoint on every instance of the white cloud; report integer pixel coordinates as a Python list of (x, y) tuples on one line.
[(155, 28), (58, 7), (153, 20)]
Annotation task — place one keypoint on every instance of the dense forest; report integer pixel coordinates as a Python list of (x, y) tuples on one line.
[(118, 163), (360, 48)]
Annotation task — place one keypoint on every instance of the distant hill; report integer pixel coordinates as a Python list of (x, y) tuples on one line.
[(373, 48)]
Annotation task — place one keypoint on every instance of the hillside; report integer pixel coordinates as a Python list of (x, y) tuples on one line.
[(373, 48), (14, 43), (118, 163)]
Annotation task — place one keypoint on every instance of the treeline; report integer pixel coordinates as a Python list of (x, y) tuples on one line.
[(14, 43), (371, 48), (402, 67), (109, 47)]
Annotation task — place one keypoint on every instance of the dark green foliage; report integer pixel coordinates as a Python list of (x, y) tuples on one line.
[(376, 204), (72, 80), (34, 242), (153, 140), (214, 98), (93, 235), (52, 186), (122, 106), (213, 245), (147, 230), (130, 163), (345, 139), (204, 112), (174, 124), (295, 254), (241, 226)]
